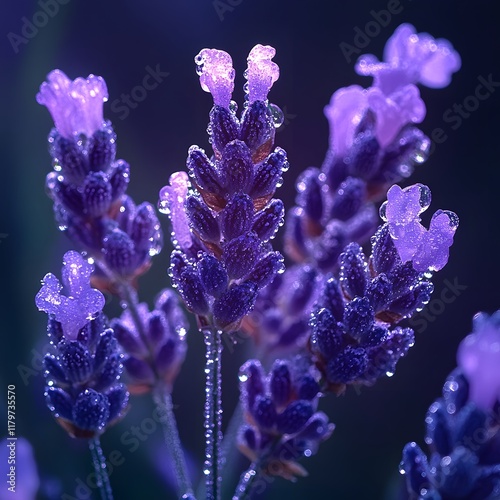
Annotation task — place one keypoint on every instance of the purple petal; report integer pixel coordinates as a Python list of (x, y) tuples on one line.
[(395, 111), (261, 72), (411, 57), (402, 212), (82, 302), (479, 358), (75, 106), (344, 113), (215, 69), (434, 250), (172, 199)]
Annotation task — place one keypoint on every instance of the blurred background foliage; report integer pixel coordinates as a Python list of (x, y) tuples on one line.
[(119, 40)]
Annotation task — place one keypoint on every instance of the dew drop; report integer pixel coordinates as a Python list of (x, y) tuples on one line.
[(425, 197), (277, 115), (233, 107), (383, 211)]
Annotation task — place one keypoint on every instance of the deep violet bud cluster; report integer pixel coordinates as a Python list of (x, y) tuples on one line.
[(224, 218), (155, 353), (83, 369), (282, 421), (354, 338), (88, 183), (279, 323), (373, 144), (462, 426)]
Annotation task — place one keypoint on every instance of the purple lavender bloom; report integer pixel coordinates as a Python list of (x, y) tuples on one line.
[(216, 72), (393, 112), (282, 424), (88, 184), (427, 249), (156, 353), (27, 482), (354, 337), (411, 58), (345, 111), (373, 144), (83, 389), (464, 459), (81, 304), (261, 72), (172, 199), (279, 323), (75, 106), (223, 223), (478, 357)]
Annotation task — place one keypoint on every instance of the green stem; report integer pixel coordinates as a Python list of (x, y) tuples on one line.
[(99, 463), (213, 414), (163, 400)]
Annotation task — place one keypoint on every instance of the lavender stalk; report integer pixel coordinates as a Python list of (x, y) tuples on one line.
[(99, 463), (223, 222)]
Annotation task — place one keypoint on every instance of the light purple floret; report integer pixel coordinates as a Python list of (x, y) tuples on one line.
[(395, 111), (172, 199), (82, 302), (75, 106), (215, 69), (348, 106), (261, 72), (411, 58), (479, 358), (428, 249), (344, 113)]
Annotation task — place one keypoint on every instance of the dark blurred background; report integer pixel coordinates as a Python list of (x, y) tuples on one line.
[(119, 40)]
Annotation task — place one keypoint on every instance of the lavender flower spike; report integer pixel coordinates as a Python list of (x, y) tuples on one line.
[(479, 358), (216, 72), (75, 106), (261, 72), (81, 304), (427, 249)]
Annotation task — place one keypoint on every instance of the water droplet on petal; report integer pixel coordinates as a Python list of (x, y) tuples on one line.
[(277, 115), (425, 197), (383, 211)]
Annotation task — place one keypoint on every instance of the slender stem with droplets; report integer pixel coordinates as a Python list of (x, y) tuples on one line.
[(213, 414), (101, 472), (163, 400), (231, 455), (247, 483)]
